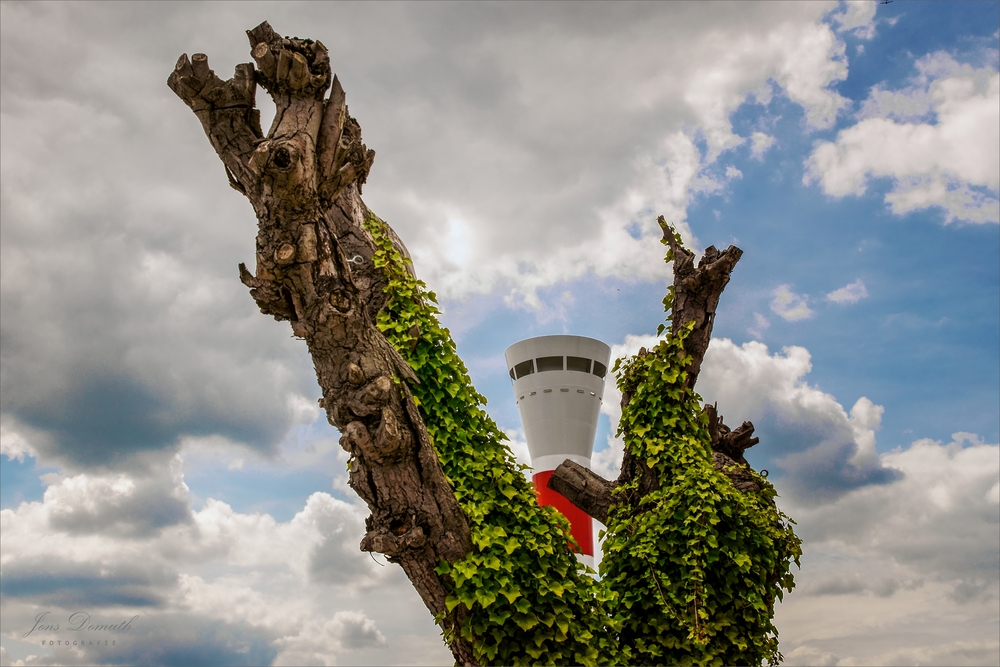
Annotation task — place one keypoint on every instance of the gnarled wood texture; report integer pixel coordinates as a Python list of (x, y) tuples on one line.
[(314, 268)]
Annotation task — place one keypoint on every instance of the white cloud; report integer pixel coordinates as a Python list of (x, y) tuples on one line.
[(649, 117), (950, 163), (311, 646), (760, 144), (866, 418), (819, 450), (140, 335), (789, 305), (806, 432), (851, 293), (906, 549), (857, 17), (554, 139), (908, 105), (807, 655), (13, 444), (118, 503), (300, 587), (555, 145)]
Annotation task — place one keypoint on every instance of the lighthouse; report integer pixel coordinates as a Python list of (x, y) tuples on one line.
[(559, 385)]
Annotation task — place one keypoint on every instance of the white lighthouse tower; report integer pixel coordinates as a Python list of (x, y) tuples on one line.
[(559, 386)]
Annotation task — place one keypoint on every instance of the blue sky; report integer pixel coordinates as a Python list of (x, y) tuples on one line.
[(163, 455)]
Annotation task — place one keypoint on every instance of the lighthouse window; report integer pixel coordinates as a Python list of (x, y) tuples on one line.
[(550, 364), (512, 376), (524, 368), (600, 369), (578, 364)]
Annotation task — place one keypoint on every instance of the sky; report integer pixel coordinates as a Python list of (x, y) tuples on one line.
[(165, 467)]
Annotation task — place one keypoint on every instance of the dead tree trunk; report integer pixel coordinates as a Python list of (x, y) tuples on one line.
[(695, 299), (314, 269)]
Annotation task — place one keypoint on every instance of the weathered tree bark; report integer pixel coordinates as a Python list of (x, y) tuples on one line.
[(314, 268), (696, 296)]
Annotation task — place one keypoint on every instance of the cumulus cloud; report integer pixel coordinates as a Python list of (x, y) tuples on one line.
[(118, 503), (117, 341), (936, 141), (218, 587), (945, 490), (951, 653), (851, 293), (807, 655), (914, 561), (66, 582), (557, 137), (856, 17), (818, 448), (648, 120), (910, 104), (311, 646), (789, 305)]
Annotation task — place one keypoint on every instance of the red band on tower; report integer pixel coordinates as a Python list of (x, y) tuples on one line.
[(580, 522)]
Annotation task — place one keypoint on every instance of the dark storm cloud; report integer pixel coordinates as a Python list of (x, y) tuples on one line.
[(814, 449), (57, 581), (811, 454), (124, 327)]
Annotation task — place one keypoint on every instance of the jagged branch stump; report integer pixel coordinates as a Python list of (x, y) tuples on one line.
[(696, 294)]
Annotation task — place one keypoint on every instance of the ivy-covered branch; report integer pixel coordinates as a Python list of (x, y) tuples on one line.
[(695, 554), (691, 303)]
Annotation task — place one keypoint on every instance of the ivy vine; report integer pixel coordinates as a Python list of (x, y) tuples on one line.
[(690, 572), (524, 600)]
